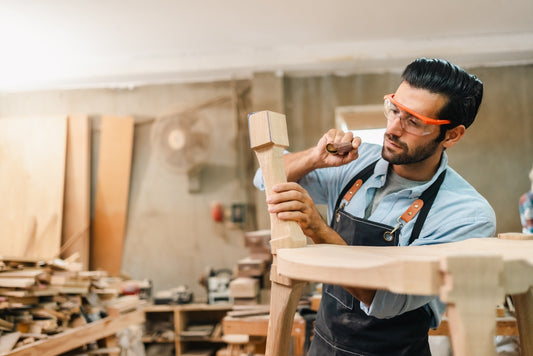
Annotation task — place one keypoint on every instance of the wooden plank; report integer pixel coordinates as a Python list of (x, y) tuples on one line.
[(393, 268), (32, 174), (112, 189), (8, 341), (73, 338), (77, 203), (257, 325)]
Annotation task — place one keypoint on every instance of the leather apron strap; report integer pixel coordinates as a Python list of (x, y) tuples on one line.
[(419, 208)]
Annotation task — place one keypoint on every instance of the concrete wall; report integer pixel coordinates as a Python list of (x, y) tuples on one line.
[(170, 235)]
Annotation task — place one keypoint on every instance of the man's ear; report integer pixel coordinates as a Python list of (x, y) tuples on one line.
[(453, 136)]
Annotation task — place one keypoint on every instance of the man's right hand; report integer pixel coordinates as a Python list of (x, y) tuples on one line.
[(298, 164), (335, 136)]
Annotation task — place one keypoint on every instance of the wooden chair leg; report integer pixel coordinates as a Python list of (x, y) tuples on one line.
[(283, 302), (472, 290), (523, 304)]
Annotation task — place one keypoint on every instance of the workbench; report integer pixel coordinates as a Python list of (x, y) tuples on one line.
[(257, 325)]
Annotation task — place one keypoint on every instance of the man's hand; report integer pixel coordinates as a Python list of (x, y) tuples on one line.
[(298, 164), (335, 136), (292, 202)]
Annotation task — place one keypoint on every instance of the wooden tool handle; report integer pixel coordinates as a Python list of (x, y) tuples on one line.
[(339, 148)]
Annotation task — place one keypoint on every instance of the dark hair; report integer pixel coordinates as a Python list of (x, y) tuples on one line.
[(464, 91)]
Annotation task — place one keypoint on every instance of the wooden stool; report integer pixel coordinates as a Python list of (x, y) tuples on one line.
[(236, 342)]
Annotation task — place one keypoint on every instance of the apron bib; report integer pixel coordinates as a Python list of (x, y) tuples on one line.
[(342, 328)]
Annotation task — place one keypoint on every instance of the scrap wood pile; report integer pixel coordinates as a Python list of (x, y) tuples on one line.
[(42, 298)]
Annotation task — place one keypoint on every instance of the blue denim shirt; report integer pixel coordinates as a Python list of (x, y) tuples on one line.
[(459, 212)]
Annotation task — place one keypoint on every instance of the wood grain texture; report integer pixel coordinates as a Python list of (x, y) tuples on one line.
[(32, 175), (403, 269), (471, 276), (77, 203), (268, 138), (112, 190), (524, 315)]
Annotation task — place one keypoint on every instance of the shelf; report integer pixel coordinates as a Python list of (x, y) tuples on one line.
[(194, 326)]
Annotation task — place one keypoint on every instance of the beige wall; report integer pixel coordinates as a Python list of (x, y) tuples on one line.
[(170, 235)]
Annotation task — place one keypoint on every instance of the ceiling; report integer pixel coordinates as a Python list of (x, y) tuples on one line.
[(49, 44)]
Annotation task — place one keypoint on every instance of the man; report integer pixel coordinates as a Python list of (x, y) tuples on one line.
[(525, 206), (374, 196)]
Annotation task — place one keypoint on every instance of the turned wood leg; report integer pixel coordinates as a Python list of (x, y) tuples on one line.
[(472, 289), (523, 304), (283, 302), (268, 139)]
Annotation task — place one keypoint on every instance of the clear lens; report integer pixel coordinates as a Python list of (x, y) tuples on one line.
[(408, 122)]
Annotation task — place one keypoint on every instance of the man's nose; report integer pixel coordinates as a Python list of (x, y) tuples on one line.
[(394, 126)]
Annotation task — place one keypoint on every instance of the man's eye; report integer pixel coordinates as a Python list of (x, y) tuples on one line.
[(415, 122)]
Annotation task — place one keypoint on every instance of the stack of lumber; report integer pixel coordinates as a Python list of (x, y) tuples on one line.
[(43, 298), (252, 283)]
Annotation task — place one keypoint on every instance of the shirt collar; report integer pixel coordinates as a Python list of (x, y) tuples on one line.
[(382, 166)]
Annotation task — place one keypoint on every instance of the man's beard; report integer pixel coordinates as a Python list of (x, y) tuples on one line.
[(416, 155)]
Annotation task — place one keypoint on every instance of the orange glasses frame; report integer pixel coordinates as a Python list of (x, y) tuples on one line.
[(425, 119)]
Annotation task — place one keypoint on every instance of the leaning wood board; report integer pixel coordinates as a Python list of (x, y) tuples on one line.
[(112, 189), (32, 175), (76, 213)]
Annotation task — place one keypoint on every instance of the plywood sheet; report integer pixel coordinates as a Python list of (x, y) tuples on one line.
[(32, 174), (76, 213), (111, 204)]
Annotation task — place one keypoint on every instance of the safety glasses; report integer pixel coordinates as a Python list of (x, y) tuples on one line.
[(411, 121)]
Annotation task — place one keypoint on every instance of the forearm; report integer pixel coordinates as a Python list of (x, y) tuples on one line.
[(362, 294), (298, 164), (323, 234)]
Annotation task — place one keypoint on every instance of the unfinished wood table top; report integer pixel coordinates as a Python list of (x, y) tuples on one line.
[(404, 269)]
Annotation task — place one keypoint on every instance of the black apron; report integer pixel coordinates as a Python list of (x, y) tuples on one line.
[(342, 328)]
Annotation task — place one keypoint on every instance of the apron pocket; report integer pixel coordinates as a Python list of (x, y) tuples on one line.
[(341, 295)]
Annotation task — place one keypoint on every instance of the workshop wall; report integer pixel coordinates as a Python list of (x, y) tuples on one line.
[(170, 235)]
